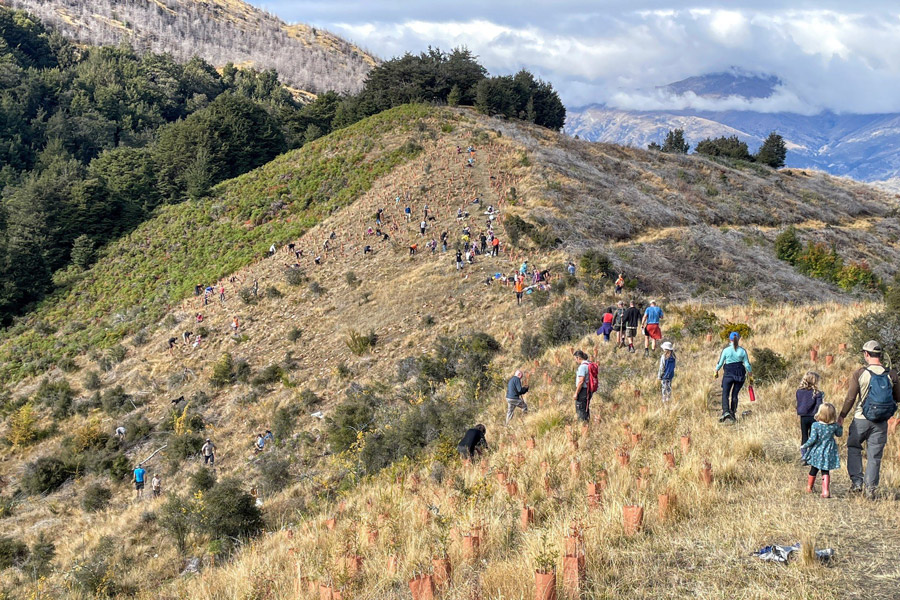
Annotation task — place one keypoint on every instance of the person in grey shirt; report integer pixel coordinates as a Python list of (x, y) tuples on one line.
[(515, 389)]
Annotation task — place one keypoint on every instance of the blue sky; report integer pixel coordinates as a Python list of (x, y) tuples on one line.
[(838, 56)]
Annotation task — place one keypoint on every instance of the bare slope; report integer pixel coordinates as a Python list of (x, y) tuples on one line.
[(220, 31), (636, 206)]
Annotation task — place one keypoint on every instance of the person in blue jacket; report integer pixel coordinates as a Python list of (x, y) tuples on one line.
[(737, 368), (821, 449)]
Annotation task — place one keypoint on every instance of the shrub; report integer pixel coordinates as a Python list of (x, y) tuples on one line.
[(242, 370), (92, 381), (22, 426), (294, 334), (466, 357), (273, 292), (698, 321), (45, 475), (295, 277), (136, 428), (283, 422), (223, 371), (309, 399), (230, 512), (175, 518), (342, 370), (95, 575), (96, 497), (58, 395), (427, 321), (540, 298), (115, 400), (788, 246), (247, 295), (182, 446), (768, 364), (117, 353), (352, 280), (270, 374), (532, 347), (742, 328), (516, 227), (570, 321), (140, 338), (274, 472), (359, 343), (13, 552), (201, 480), (67, 365), (316, 289), (353, 416), (40, 559), (881, 326), (7, 505)]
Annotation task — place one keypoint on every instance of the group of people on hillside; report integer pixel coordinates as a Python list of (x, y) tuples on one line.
[(873, 397), (625, 323)]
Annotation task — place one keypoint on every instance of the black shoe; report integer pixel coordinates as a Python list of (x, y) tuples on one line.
[(723, 418), (870, 493), (856, 490)]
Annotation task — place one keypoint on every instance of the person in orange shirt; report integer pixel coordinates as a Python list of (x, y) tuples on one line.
[(520, 289)]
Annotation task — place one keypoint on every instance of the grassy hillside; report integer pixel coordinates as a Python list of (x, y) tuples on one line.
[(220, 31), (396, 346)]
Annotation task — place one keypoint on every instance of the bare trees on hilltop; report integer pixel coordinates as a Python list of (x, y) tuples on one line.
[(304, 58)]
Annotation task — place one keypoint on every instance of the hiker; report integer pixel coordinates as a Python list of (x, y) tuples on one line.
[(272, 250), (473, 442), (268, 437), (235, 324), (208, 451), (520, 289), (483, 240), (821, 449), (459, 260), (875, 390), (367, 249), (444, 236), (619, 324), (583, 384), (495, 247), (632, 319), (422, 226), (666, 371), (222, 293), (607, 326), (138, 479), (186, 337), (172, 341), (737, 367), (524, 268), (260, 443), (317, 259), (156, 485), (620, 283), (571, 268), (515, 389), (413, 248), (809, 398), (652, 316), (199, 317), (407, 212)]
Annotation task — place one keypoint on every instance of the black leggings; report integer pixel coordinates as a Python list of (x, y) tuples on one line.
[(814, 471), (806, 424)]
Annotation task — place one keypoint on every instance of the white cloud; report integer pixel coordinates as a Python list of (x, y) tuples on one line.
[(829, 54)]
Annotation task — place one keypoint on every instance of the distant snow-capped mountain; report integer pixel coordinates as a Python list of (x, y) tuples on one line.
[(864, 147)]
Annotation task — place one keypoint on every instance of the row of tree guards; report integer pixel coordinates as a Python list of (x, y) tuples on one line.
[(546, 581)]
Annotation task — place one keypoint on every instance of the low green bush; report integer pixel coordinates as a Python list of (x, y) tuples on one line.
[(768, 365), (45, 475), (96, 497), (13, 552)]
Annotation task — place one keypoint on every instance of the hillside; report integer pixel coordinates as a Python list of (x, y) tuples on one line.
[(219, 31), (688, 230), (861, 146)]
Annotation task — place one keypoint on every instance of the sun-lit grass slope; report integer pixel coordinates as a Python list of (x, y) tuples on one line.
[(220, 31), (701, 548), (293, 339), (147, 272)]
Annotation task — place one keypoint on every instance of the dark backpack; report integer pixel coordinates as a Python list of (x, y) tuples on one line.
[(878, 405)]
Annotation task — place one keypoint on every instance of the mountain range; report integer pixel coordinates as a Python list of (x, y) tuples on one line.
[(219, 31), (860, 146)]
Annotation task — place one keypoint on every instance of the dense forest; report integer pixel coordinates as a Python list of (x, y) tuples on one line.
[(218, 31), (93, 139)]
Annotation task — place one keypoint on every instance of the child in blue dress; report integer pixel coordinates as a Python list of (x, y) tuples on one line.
[(821, 448)]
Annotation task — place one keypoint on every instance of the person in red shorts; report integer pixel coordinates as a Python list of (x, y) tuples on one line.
[(652, 316)]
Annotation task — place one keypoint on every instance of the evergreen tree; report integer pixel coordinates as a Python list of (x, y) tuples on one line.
[(83, 252), (773, 151), (731, 147), (675, 143), (455, 95)]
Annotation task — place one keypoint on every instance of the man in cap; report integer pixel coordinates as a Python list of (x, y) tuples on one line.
[(875, 391)]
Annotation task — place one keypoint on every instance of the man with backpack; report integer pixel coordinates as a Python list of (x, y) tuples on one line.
[(619, 324), (585, 385), (878, 390)]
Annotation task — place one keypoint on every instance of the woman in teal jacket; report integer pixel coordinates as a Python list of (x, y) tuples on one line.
[(737, 367)]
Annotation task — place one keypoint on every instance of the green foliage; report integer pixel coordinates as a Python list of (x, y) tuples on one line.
[(881, 326), (699, 321), (823, 262), (729, 147), (742, 328), (274, 472), (541, 235), (787, 246), (295, 277), (465, 357), (294, 334), (674, 143), (83, 251), (182, 446), (13, 552), (352, 417), (521, 97), (284, 421), (92, 381), (201, 480), (532, 346), (773, 151), (45, 475), (95, 498), (95, 575), (175, 519), (309, 399), (768, 365), (352, 280), (223, 371), (115, 400), (359, 343), (40, 559), (571, 320), (229, 512)]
